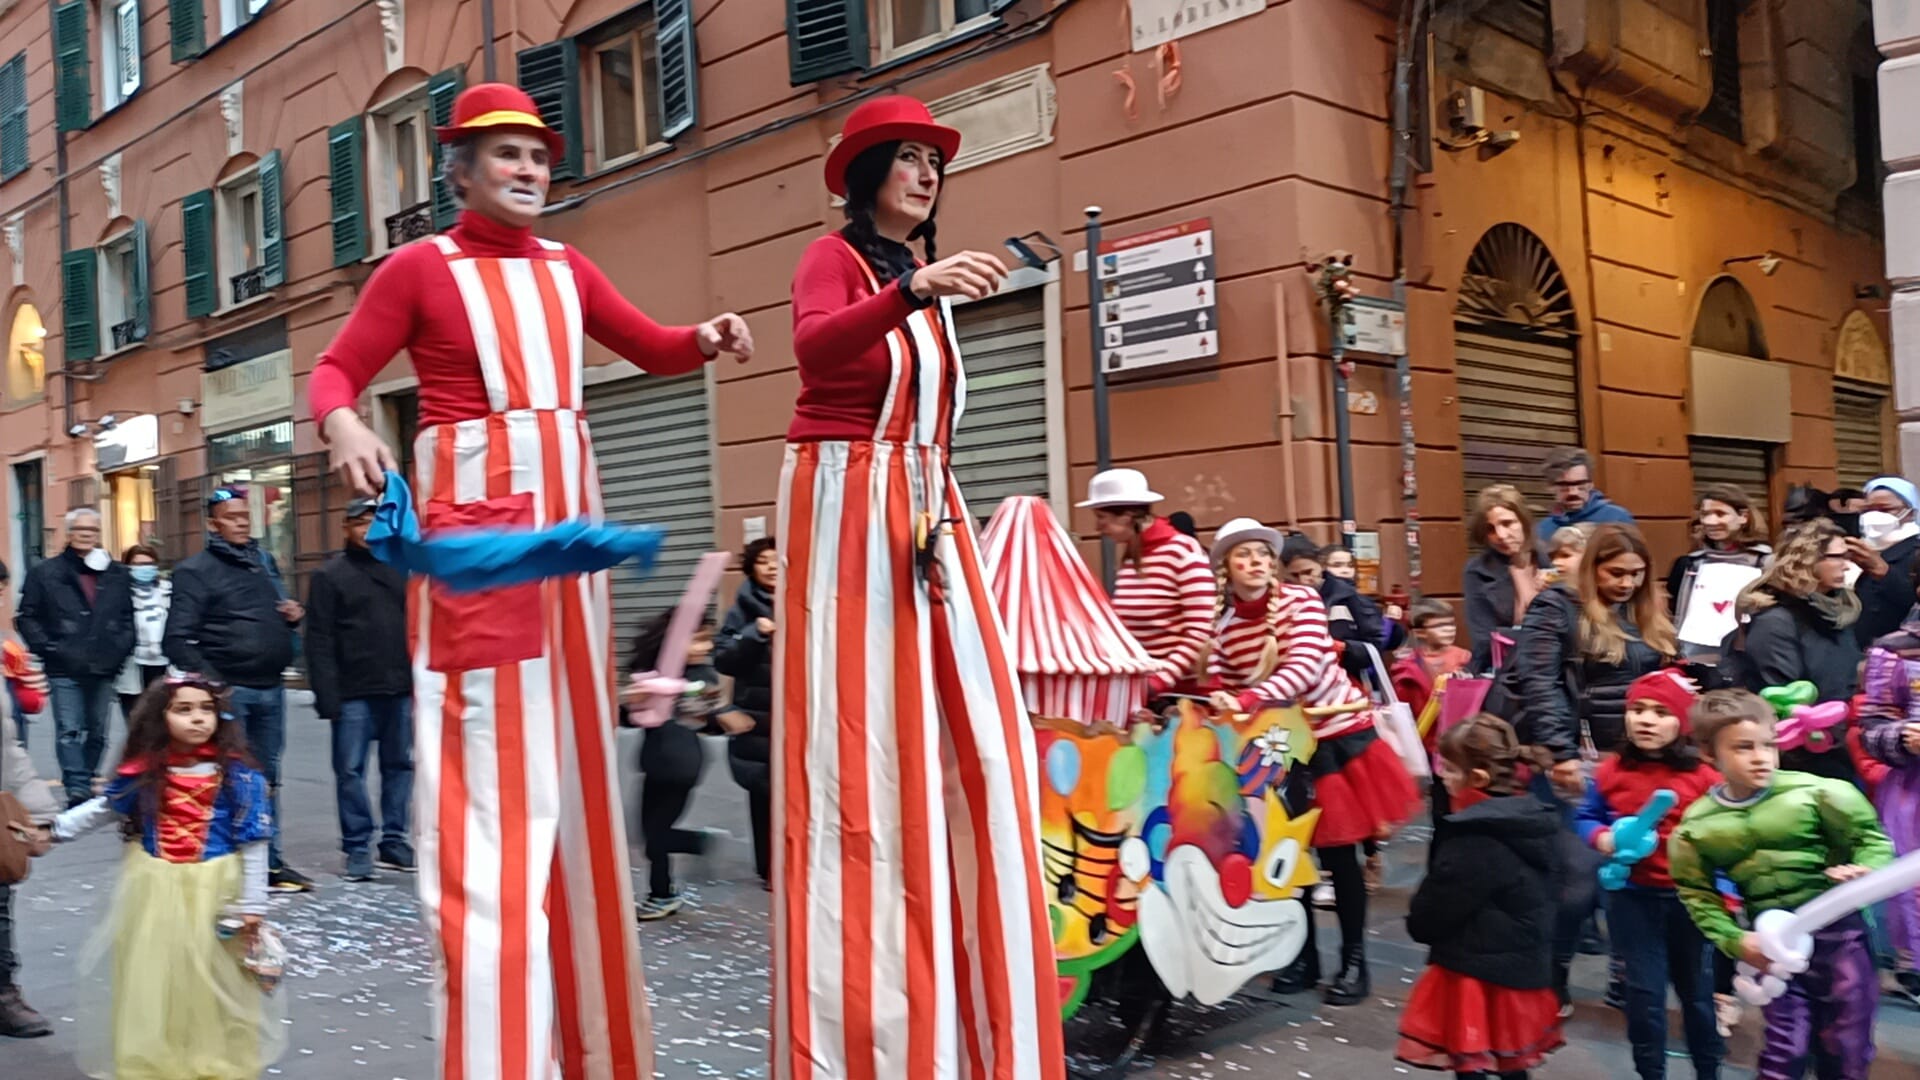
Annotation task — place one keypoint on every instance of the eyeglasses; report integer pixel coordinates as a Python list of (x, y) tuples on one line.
[(1571, 485)]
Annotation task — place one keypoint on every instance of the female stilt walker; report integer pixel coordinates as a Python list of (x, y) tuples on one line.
[(523, 854), (910, 931)]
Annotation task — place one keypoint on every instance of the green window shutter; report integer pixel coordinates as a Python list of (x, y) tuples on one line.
[(13, 117), (825, 38), (196, 245), (273, 229), (550, 74), (142, 285), (187, 27), (73, 72), (998, 6), (441, 90), (679, 62), (346, 157), (79, 304)]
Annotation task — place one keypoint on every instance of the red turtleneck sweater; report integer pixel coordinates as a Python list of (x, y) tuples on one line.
[(412, 303)]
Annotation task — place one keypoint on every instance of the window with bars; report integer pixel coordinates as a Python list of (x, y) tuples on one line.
[(1722, 113)]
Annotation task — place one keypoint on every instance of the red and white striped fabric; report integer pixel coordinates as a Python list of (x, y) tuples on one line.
[(522, 848), (1308, 671), (1166, 601), (1076, 660), (909, 924)]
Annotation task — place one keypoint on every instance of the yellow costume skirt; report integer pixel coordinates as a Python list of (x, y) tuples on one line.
[(161, 995)]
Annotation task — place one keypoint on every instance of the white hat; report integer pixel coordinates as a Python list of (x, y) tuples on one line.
[(1119, 487), (1239, 531)]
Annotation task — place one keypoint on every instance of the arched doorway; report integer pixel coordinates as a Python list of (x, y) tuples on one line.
[(1738, 401), (26, 356), (1515, 372), (1862, 380)]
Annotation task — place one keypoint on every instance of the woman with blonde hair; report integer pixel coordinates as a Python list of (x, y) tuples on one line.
[(1505, 576), (1798, 625)]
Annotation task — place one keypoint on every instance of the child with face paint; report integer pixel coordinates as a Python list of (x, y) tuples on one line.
[(1649, 926)]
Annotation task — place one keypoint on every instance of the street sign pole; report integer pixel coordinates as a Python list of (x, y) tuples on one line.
[(1102, 454), (1342, 435)]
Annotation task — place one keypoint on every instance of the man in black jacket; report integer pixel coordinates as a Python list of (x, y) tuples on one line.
[(361, 672), (743, 651), (232, 620), (76, 615)]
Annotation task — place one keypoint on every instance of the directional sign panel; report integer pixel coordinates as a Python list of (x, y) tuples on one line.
[(1157, 303)]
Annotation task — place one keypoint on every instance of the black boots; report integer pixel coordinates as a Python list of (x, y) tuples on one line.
[(1303, 974), (1352, 985), (17, 1019)]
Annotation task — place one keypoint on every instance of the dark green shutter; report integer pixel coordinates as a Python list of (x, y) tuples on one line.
[(196, 244), (679, 67), (825, 38), (273, 229), (141, 286), (995, 7), (73, 73), (79, 304), (13, 117), (550, 74), (187, 27), (441, 90), (346, 155)]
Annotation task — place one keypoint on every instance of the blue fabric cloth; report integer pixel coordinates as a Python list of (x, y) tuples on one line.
[(1901, 488), (472, 559), (241, 812)]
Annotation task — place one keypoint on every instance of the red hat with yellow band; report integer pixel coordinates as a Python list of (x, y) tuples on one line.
[(498, 107)]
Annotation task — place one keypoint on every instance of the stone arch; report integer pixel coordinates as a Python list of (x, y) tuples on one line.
[(397, 84), (1728, 320), (1512, 280), (26, 358)]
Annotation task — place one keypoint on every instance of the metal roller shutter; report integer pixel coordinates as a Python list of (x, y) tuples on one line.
[(1858, 438), (1517, 400), (652, 438), (1742, 464), (1000, 447)]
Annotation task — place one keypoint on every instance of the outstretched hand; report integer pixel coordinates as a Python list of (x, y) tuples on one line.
[(725, 333)]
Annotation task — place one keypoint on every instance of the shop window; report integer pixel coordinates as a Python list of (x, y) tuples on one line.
[(26, 357), (402, 170), (119, 22), (620, 70), (130, 509), (260, 460), (1722, 113)]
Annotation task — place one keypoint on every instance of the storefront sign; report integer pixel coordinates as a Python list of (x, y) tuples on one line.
[(1156, 22), (247, 393), (132, 441), (1157, 303), (1372, 325)]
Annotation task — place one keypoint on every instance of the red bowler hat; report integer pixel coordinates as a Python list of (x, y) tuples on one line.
[(896, 118), (498, 107)]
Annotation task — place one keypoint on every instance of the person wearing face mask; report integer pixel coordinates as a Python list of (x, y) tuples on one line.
[(1731, 535), (151, 595), (1505, 576), (1888, 547), (1799, 625), (76, 615)]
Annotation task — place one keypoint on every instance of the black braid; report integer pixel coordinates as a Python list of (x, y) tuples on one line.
[(924, 234)]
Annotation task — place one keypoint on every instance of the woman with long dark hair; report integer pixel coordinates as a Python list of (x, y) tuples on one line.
[(910, 928), (1505, 576)]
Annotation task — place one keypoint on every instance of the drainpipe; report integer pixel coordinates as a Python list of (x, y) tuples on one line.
[(65, 232), (1412, 35), (487, 64), (1284, 359)]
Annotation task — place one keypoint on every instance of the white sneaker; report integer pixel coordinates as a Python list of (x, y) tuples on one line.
[(1323, 897)]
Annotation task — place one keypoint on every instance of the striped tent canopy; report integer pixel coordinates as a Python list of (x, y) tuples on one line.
[(1076, 661)]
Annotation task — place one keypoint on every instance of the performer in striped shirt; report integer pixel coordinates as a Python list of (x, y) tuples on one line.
[(1271, 644), (1164, 591)]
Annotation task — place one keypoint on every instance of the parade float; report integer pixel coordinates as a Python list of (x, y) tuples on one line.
[(1173, 865)]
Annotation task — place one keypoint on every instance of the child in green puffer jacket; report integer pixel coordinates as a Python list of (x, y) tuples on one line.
[(1783, 838)]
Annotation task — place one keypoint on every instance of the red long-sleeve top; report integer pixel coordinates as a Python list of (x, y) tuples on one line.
[(840, 327), (412, 303)]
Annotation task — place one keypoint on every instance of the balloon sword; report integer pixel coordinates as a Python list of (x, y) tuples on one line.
[(1787, 936), (661, 686), (1635, 837)]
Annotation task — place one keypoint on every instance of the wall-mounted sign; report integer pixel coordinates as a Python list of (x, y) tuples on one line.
[(1156, 22), (1373, 325), (1157, 302), (248, 392), (132, 441)]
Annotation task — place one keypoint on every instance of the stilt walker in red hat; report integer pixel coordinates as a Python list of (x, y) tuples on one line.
[(522, 850), (911, 935)]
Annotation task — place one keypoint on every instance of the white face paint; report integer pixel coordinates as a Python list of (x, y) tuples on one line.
[(1202, 945)]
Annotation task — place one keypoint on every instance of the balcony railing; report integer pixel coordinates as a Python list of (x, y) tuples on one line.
[(125, 333), (412, 223), (248, 284)]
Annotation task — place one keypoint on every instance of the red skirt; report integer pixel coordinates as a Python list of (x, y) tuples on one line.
[(1457, 1022), (1363, 797)]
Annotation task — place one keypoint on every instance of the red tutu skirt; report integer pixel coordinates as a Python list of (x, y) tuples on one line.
[(1360, 795), (1457, 1022)]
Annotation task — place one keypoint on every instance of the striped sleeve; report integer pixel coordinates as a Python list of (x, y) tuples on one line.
[(1306, 648), (1195, 589)]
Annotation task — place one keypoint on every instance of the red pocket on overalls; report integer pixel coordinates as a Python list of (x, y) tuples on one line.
[(493, 627)]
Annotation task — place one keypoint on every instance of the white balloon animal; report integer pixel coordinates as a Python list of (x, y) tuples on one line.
[(1787, 936)]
